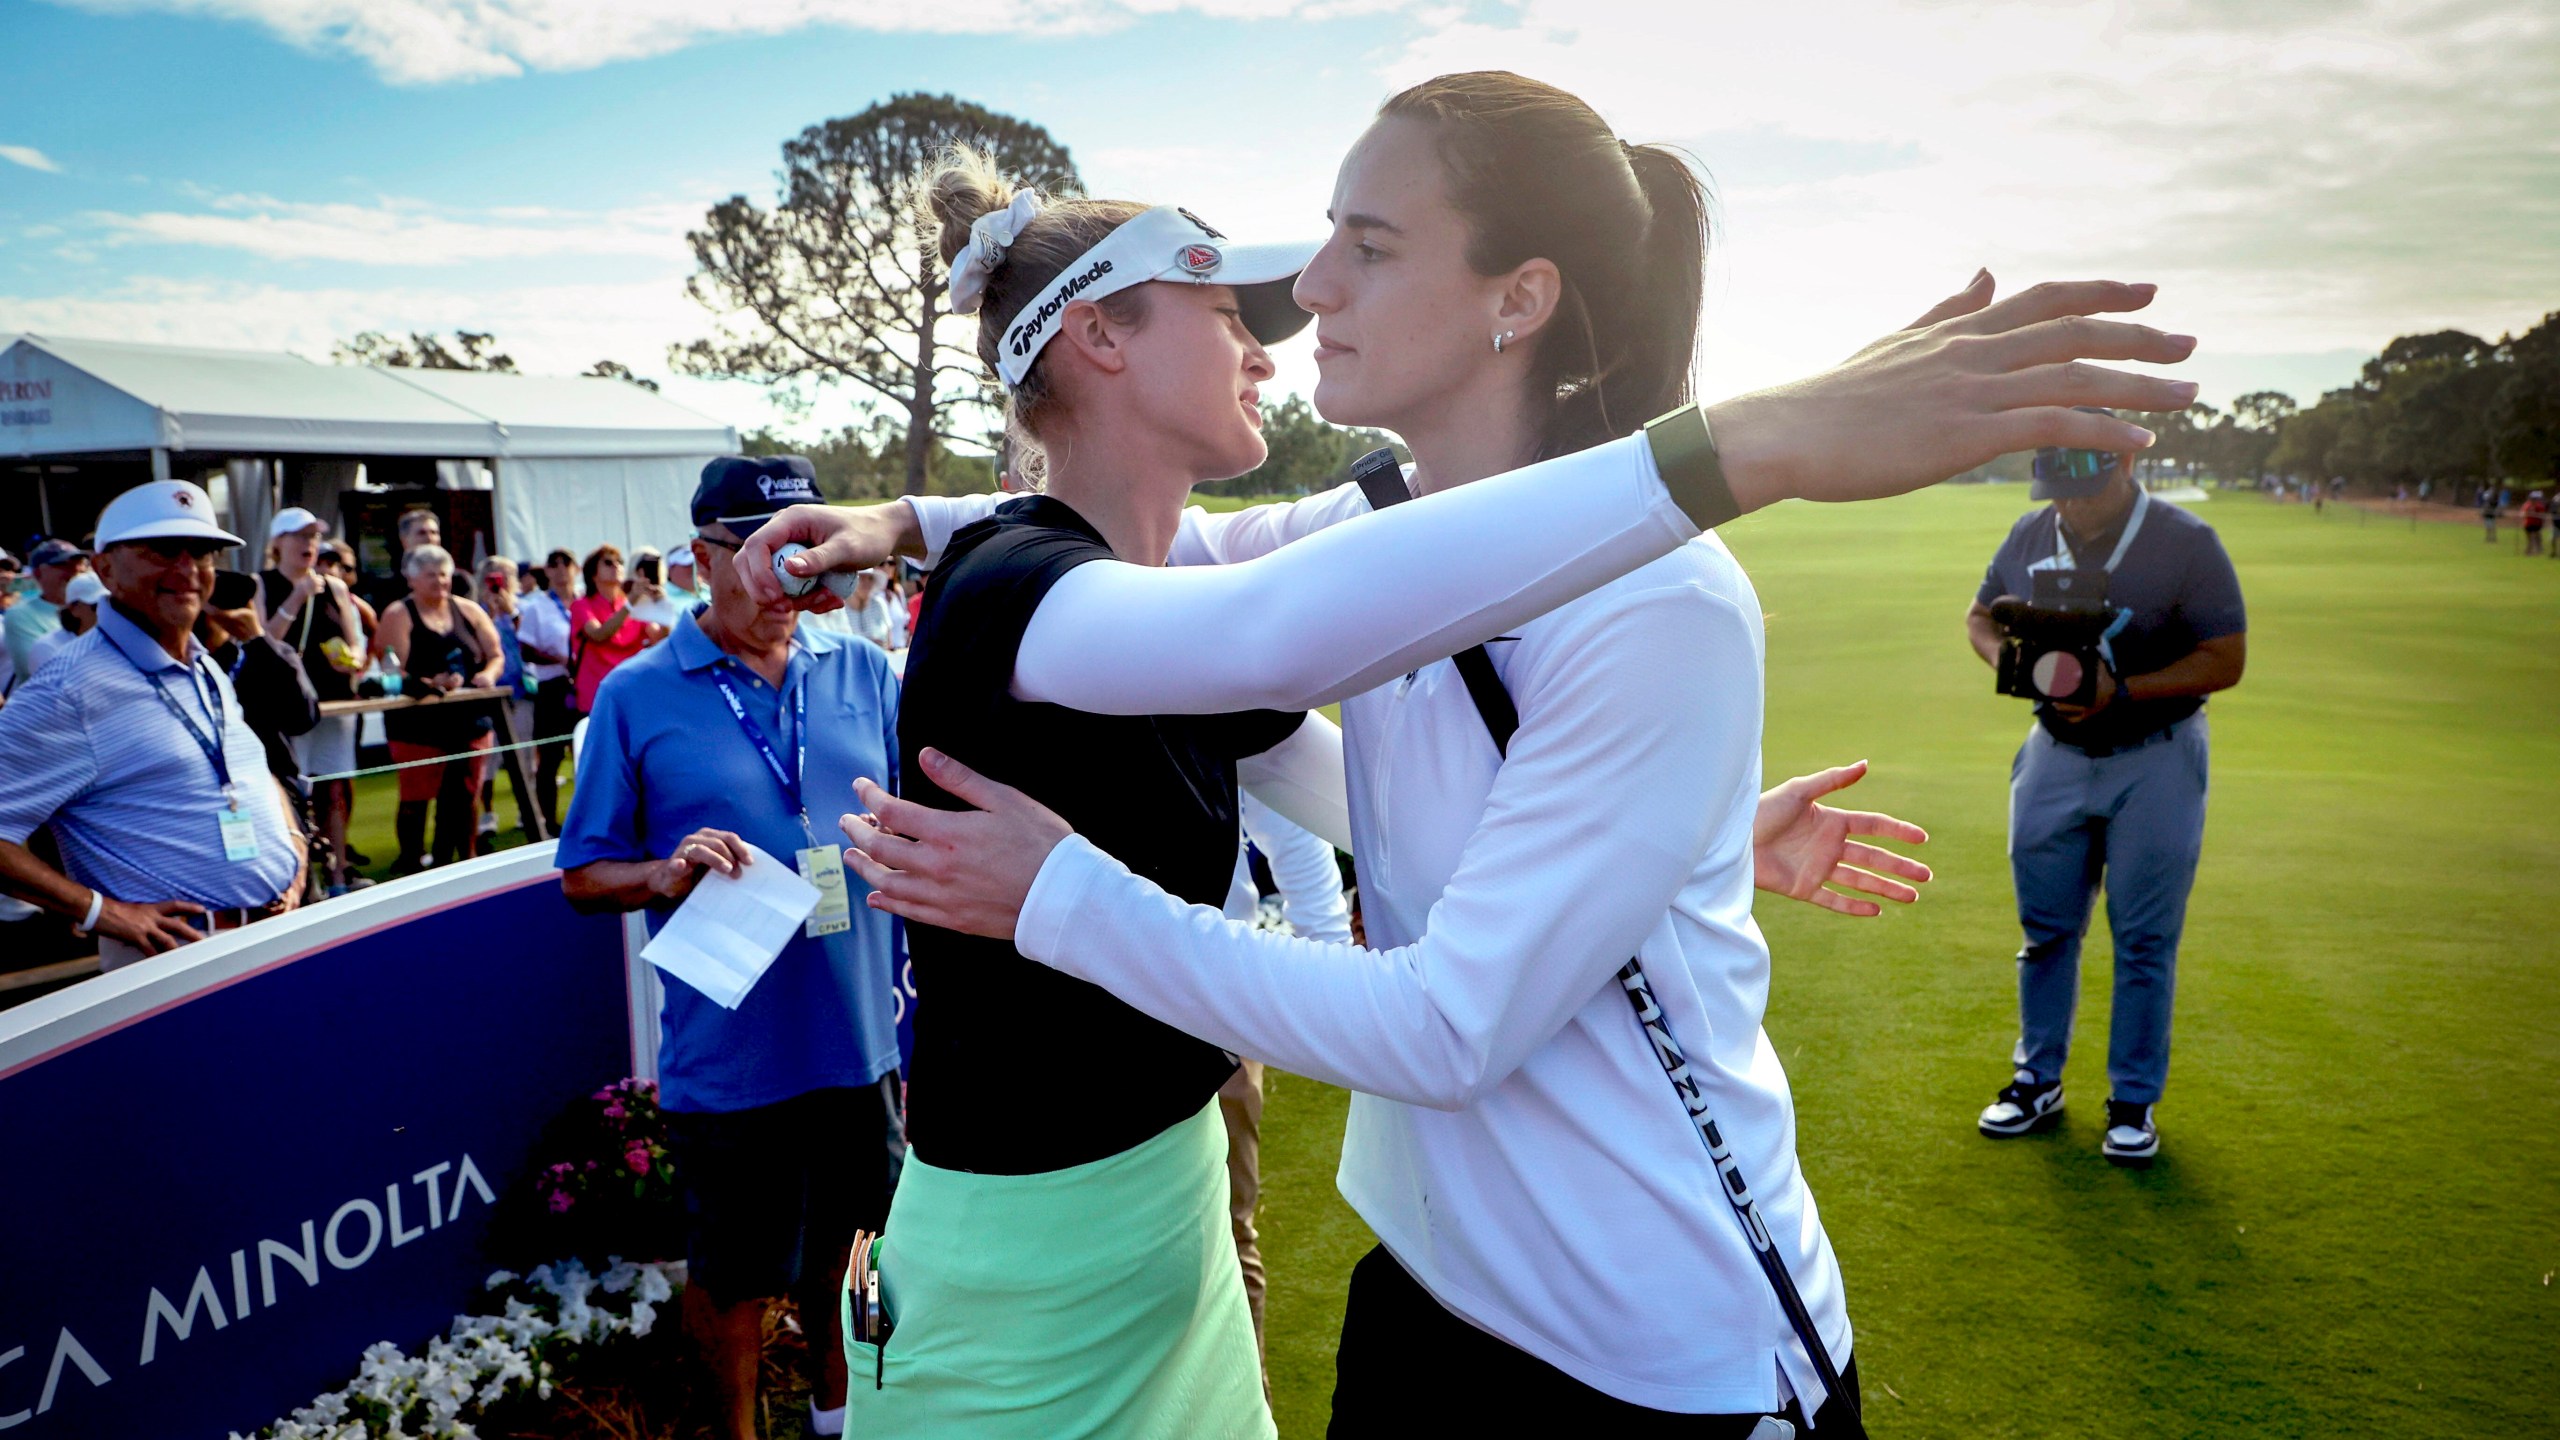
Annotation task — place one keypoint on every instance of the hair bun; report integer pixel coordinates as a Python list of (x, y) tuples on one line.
[(963, 185)]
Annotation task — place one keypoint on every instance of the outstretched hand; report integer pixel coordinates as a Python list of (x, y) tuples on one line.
[(1799, 846), (847, 538), (964, 870), (1969, 381)]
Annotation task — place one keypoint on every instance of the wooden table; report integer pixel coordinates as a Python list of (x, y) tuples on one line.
[(528, 814)]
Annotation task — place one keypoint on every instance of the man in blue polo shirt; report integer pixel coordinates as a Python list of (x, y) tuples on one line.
[(738, 731), (2113, 789), (130, 744)]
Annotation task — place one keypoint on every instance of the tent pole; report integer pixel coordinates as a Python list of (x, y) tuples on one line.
[(159, 462)]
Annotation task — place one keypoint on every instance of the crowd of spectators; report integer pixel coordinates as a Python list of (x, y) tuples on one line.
[(275, 652)]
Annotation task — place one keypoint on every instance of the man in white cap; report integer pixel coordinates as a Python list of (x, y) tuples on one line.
[(131, 745), (681, 577), (314, 615), (80, 601)]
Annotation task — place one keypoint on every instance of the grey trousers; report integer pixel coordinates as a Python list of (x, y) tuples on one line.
[(2134, 820)]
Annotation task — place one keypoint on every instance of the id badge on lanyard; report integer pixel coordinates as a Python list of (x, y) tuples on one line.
[(239, 829), (821, 865)]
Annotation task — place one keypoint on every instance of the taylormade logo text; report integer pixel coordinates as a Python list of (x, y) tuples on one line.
[(1038, 320)]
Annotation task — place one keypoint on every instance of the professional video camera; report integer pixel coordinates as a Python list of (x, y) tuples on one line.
[(2049, 641)]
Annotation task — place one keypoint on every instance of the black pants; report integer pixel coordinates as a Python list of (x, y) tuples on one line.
[(555, 714), (1408, 1367), (773, 1194)]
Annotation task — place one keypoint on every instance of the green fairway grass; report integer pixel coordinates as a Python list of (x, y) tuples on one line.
[(2355, 1221)]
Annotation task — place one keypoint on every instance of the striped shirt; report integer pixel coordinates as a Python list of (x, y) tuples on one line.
[(133, 799)]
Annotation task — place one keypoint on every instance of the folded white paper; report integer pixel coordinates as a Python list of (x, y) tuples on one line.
[(728, 932)]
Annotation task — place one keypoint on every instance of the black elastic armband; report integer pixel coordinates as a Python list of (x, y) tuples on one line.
[(1684, 452)]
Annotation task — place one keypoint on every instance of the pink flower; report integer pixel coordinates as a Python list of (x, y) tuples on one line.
[(638, 1160), (561, 1201), (615, 1111), (591, 1164)]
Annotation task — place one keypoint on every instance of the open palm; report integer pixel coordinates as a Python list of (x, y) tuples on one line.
[(1801, 847)]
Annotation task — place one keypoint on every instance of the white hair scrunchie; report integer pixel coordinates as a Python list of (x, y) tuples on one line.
[(989, 236)]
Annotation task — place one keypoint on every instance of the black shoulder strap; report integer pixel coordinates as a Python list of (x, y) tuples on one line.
[(1381, 478)]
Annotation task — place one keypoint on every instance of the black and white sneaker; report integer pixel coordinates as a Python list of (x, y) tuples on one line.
[(2132, 1140), (2024, 1108)]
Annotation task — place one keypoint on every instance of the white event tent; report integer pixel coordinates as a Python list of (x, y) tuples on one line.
[(571, 460)]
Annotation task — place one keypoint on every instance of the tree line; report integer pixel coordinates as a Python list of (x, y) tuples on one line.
[(2447, 407)]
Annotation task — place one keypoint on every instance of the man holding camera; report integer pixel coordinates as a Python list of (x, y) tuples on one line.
[(2131, 615)]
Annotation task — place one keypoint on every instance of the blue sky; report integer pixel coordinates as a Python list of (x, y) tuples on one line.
[(2305, 179)]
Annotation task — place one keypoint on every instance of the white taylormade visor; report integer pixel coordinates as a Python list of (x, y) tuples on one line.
[(1165, 243)]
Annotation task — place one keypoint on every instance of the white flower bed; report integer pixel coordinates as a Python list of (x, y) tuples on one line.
[(484, 1357)]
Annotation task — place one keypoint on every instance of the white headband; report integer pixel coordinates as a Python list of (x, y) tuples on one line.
[(1165, 243), (989, 237)]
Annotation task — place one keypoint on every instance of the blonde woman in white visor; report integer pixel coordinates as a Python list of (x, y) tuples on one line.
[(1489, 1042)]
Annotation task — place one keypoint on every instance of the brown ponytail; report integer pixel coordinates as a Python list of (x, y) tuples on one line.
[(1538, 174)]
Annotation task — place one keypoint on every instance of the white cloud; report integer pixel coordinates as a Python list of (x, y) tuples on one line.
[(421, 42), (403, 232), (30, 157), (2298, 177)]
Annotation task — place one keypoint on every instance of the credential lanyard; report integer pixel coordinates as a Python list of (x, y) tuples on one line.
[(2062, 558), (211, 745), (789, 779)]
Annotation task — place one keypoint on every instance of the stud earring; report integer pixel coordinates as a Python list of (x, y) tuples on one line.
[(1501, 339)]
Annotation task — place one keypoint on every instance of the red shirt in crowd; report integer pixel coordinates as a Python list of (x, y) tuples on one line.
[(597, 659)]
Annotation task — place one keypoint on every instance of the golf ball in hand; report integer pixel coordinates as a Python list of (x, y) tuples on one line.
[(794, 586)]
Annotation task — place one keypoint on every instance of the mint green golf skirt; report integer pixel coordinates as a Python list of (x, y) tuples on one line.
[(1100, 1300)]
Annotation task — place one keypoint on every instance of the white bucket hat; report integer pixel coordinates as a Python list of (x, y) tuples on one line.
[(161, 510), (1165, 243)]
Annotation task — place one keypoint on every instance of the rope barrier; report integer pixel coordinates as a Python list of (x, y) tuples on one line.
[(436, 760)]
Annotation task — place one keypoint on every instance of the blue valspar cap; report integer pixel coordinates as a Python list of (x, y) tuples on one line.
[(743, 491)]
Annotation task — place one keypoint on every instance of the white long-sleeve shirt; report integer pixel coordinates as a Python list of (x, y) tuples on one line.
[(1513, 1141), (1302, 865)]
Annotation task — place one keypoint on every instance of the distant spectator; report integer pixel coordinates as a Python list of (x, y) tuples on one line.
[(40, 614), (546, 638), (2535, 514), (606, 631), (309, 610), (684, 583), (498, 597), (650, 602), (419, 526), (337, 561), (443, 643), (133, 749), (874, 618), (80, 602), (2489, 513)]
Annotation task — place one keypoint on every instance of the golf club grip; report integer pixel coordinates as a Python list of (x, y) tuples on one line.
[(1737, 1190)]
